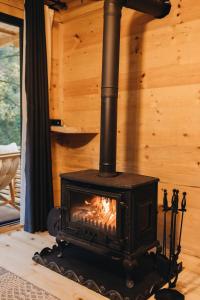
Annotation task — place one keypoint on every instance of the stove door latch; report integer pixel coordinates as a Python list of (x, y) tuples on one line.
[(122, 203)]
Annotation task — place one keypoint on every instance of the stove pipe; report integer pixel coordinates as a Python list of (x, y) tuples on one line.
[(110, 72)]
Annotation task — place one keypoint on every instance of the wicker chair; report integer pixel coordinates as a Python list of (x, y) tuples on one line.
[(9, 163)]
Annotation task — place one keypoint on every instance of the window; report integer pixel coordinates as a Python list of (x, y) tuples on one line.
[(11, 34), (10, 79)]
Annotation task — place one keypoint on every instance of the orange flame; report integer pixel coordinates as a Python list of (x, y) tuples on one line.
[(98, 211)]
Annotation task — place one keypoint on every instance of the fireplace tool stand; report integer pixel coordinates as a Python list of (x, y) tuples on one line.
[(174, 251)]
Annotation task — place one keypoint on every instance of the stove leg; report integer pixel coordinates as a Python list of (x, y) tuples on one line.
[(129, 265), (61, 246), (159, 248), (129, 283)]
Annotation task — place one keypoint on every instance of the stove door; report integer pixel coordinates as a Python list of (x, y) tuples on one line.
[(92, 215), (93, 210)]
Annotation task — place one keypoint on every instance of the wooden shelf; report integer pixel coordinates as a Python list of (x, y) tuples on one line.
[(74, 130)]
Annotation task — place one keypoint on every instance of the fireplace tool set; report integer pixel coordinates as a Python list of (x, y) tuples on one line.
[(174, 250), (174, 268), (106, 228)]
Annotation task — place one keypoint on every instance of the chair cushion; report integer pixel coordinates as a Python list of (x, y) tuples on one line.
[(11, 148)]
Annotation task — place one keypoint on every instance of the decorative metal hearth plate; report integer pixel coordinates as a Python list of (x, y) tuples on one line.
[(100, 275)]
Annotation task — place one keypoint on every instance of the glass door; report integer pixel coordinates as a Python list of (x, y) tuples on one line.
[(10, 117)]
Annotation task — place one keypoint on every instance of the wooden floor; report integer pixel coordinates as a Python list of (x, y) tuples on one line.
[(17, 248)]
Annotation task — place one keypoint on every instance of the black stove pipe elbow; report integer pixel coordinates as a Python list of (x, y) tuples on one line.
[(156, 8)]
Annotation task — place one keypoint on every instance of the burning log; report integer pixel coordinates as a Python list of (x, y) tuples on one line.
[(98, 211)]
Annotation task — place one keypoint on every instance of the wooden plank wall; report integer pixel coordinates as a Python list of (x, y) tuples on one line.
[(12, 7), (159, 99)]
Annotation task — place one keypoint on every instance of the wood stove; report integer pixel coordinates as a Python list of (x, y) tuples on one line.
[(106, 228), (110, 218), (114, 216), (112, 213)]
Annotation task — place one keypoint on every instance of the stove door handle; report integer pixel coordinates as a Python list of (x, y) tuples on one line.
[(72, 229), (122, 203)]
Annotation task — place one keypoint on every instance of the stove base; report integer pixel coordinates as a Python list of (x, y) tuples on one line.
[(102, 275)]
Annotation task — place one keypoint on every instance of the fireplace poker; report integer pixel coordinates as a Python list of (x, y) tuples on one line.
[(172, 224), (165, 210)]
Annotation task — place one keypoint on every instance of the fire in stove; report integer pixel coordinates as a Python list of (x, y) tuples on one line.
[(96, 211)]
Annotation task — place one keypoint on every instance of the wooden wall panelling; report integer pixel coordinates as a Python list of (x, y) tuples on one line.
[(56, 89), (77, 9), (56, 98), (12, 7), (159, 99), (14, 3)]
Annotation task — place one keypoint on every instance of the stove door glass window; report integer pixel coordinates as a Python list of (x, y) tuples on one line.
[(93, 210)]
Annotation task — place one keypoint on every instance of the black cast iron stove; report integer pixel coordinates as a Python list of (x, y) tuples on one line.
[(113, 216), (107, 213)]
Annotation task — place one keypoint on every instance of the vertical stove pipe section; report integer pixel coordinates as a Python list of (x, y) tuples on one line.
[(110, 71), (109, 87)]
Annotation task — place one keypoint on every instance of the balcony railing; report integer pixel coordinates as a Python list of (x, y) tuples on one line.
[(16, 184), (17, 187)]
